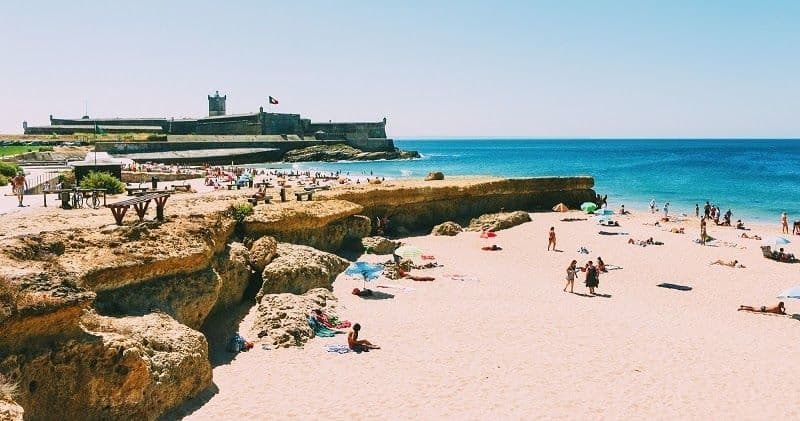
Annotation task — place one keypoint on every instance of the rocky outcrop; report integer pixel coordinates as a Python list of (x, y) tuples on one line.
[(499, 221), (133, 368), (282, 319), (262, 252), (378, 245), (298, 269), (10, 410), (449, 228), (234, 274), (435, 175), (343, 152)]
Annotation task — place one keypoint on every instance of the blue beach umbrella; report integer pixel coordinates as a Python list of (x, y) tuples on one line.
[(793, 292), (776, 241), (368, 271)]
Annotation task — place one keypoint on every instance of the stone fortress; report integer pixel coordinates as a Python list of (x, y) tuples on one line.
[(218, 123)]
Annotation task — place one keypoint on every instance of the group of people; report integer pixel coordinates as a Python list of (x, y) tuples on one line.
[(592, 271)]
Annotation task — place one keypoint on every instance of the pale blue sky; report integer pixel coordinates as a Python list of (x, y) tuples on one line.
[(461, 68)]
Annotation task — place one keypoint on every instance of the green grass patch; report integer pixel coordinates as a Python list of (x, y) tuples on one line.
[(15, 150)]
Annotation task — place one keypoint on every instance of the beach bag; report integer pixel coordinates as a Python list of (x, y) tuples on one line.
[(236, 344)]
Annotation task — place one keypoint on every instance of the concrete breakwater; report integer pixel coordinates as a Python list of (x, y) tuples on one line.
[(100, 321)]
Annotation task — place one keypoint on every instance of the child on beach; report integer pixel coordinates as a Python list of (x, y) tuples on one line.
[(571, 269)]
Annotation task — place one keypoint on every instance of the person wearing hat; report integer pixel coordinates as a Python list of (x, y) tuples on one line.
[(18, 186)]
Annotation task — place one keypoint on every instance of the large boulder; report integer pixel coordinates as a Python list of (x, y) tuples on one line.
[(10, 410), (298, 269), (262, 252), (378, 245), (234, 271), (447, 228), (499, 221), (282, 319), (341, 151), (434, 175), (125, 368)]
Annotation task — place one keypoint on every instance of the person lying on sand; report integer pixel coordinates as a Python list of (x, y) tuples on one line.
[(778, 309), (677, 230), (730, 263), (493, 247), (404, 274), (752, 237), (647, 242), (359, 344)]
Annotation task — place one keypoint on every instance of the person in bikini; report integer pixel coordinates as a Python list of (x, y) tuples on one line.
[(732, 263), (551, 239), (778, 309), (359, 344)]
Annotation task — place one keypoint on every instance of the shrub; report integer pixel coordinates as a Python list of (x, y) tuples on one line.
[(8, 169), (67, 178), (45, 149), (102, 180), (4, 180), (240, 210)]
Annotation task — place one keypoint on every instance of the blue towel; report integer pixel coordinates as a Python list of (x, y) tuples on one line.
[(339, 349), (320, 330)]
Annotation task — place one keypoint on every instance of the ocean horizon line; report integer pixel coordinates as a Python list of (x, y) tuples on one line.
[(536, 138)]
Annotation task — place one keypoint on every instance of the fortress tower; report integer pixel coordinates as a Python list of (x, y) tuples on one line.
[(216, 104)]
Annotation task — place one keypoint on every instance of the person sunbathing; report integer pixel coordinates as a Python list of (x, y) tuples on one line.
[(493, 247), (327, 322), (752, 237), (730, 263), (778, 309), (359, 344), (782, 256), (677, 230), (404, 274)]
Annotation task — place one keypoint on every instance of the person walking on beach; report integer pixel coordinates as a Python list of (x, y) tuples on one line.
[(652, 205), (18, 185), (707, 209), (703, 233), (666, 209), (571, 271), (784, 223), (551, 239), (696, 210), (592, 280)]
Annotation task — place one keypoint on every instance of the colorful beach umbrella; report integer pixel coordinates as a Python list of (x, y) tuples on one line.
[(588, 207), (793, 292), (368, 271), (408, 252), (776, 241), (560, 208)]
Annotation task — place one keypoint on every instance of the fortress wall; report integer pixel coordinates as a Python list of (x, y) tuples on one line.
[(372, 144), (344, 131)]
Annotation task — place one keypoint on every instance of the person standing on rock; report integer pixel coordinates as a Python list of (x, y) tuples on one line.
[(551, 239)]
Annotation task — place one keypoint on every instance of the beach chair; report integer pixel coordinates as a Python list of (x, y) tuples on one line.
[(767, 251)]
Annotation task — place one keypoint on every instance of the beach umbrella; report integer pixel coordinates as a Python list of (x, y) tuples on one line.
[(776, 241), (560, 208), (368, 271), (604, 212), (408, 252), (588, 207), (793, 292)]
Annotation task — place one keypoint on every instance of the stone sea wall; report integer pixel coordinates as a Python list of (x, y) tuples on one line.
[(105, 322)]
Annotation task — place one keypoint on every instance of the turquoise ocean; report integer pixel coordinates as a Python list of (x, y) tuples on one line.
[(756, 179)]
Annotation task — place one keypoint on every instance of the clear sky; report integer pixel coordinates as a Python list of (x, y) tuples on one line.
[(494, 68)]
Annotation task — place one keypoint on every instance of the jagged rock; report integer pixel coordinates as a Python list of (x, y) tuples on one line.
[(10, 410), (234, 273), (447, 228), (435, 175), (499, 221), (133, 368), (262, 252), (341, 152), (282, 319), (378, 245), (298, 269)]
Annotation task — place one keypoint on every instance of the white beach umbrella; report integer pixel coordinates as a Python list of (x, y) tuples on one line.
[(793, 292), (408, 252), (776, 241)]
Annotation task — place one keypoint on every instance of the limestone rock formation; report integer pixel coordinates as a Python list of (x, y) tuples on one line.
[(10, 410), (262, 252), (282, 319), (447, 228), (435, 175), (298, 269), (133, 368), (499, 221), (234, 272), (343, 152), (379, 245)]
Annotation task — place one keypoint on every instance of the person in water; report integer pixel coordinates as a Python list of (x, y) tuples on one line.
[(778, 309), (359, 344)]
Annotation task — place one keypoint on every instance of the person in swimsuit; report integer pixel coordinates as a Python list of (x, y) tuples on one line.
[(359, 344), (778, 309), (784, 223), (551, 239), (571, 269), (592, 279), (732, 263), (601, 265)]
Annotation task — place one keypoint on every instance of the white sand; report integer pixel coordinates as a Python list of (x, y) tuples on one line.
[(513, 345)]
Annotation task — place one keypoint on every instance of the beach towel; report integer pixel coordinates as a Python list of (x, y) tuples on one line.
[(675, 286), (320, 330), (337, 348), (611, 233)]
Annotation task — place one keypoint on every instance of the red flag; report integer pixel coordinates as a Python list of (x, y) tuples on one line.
[(273, 101)]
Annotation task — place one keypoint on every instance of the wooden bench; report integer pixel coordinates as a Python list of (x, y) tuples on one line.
[(140, 204), (133, 190), (254, 200), (299, 195)]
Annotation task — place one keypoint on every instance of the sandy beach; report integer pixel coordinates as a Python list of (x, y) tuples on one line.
[(505, 341)]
